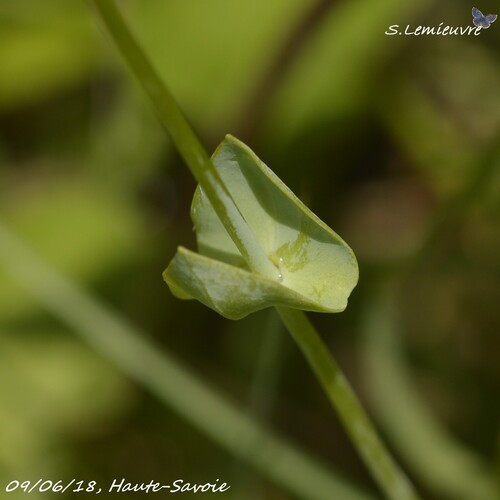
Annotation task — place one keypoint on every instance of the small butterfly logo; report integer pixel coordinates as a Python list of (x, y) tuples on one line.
[(482, 21)]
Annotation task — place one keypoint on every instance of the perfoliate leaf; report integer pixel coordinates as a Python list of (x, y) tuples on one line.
[(315, 270)]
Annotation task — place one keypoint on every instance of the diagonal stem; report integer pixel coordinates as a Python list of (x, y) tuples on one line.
[(356, 422), (184, 137)]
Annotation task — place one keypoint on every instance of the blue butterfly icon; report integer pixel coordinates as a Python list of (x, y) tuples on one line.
[(482, 21)]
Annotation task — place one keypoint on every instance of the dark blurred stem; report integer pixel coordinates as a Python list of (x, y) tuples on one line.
[(263, 389), (446, 218), (452, 211), (266, 375), (254, 111)]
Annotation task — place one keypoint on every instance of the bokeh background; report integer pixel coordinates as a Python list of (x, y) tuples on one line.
[(392, 140)]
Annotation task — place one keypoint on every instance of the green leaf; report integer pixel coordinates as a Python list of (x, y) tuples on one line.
[(314, 268)]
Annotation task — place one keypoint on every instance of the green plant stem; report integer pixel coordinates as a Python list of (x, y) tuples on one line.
[(384, 469), (389, 477), (184, 138), (143, 361)]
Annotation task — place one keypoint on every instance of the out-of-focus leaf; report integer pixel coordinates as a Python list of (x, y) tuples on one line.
[(39, 407), (314, 268), (41, 53), (82, 229)]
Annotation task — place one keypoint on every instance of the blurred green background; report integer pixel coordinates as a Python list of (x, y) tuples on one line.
[(391, 140)]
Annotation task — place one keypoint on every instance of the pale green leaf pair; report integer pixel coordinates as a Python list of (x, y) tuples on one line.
[(315, 270)]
